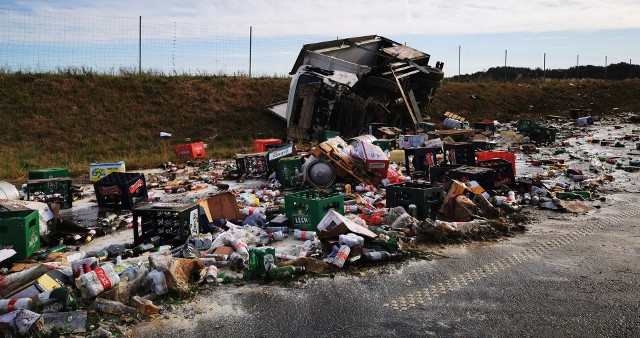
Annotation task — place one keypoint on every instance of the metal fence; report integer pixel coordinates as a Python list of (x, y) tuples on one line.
[(54, 42)]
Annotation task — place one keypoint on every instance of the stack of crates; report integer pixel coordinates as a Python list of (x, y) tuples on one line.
[(439, 175), (20, 230), (289, 169), (426, 197), (172, 222), (503, 172), (120, 190), (460, 153), (50, 185), (305, 209)]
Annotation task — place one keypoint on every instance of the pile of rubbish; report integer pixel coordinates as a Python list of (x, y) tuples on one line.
[(281, 213)]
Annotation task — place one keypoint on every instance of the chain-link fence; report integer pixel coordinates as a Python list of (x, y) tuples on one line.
[(53, 42)]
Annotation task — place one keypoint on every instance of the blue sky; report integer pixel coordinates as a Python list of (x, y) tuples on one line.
[(212, 36)]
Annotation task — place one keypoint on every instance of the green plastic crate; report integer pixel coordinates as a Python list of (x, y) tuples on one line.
[(260, 260), (48, 173), (327, 134), (47, 190), (305, 209), (21, 231), (287, 169), (385, 145)]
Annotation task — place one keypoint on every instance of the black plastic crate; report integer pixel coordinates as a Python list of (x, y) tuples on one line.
[(503, 172), (120, 190), (460, 153), (438, 174), (51, 190), (484, 176), (423, 158), (426, 197), (172, 222), (253, 165)]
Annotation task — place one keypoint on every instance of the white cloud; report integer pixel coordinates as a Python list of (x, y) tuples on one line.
[(343, 18)]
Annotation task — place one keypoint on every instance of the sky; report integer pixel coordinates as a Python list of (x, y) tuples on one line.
[(212, 36)]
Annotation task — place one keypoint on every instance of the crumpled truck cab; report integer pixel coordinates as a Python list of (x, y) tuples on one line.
[(343, 85)]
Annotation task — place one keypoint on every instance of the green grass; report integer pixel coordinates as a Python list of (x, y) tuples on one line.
[(75, 117)]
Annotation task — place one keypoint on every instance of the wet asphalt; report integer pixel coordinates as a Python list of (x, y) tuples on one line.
[(567, 275)]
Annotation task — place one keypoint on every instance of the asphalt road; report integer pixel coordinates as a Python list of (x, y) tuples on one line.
[(567, 276)]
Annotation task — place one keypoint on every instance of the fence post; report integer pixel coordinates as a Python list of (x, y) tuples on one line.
[(505, 66), (250, 47), (140, 46), (459, 53)]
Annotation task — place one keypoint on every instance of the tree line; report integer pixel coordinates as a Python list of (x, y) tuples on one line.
[(616, 71)]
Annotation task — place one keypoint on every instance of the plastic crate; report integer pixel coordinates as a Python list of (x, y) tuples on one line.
[(100, 170), (460, 153), (505, 155), (192, 150), (484, 176), (542, 134), (426, 197), (120, 190), (265, 144), (503, 172), (253, 165), (288, 170), (20, 230), (172, 222), (423, 158), (48, 173), (51, 190), (305, 209), (385, 144), (327, 134), (526, 126), (439, 174)]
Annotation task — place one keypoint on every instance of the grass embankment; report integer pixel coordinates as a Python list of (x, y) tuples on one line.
[(71, 120)]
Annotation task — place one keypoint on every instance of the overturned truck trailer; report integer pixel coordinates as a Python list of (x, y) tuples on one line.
[(343, 85)]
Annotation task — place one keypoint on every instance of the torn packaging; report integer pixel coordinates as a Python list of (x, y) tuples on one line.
[(333, 225)]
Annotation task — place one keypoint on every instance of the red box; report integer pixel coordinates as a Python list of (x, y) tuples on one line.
[(193, 150), (261, 145)]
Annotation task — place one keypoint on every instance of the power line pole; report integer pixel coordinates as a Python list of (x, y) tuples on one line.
[(459, 53), (250, 46), (577, 64), (544, 66), (605, 67)]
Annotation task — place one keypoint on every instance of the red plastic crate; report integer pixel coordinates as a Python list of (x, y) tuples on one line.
[(505, 155), (193, 150), (261, 145)]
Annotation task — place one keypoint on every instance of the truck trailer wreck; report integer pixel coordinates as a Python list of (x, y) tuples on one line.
[(343, 85)]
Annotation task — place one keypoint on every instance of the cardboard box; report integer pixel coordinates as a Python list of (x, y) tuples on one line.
[(469, 189), (334, 224), (100, 170), (374, 159), (221, 206), (412, 141)]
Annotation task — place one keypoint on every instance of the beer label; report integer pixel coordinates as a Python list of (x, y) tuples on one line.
[(11, 306), (108, 191), (135, 186), (342, 255), (103, 278)]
